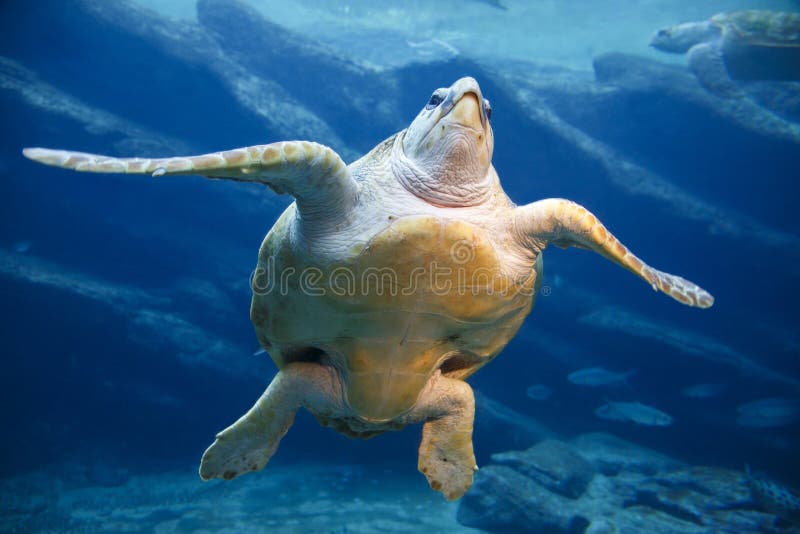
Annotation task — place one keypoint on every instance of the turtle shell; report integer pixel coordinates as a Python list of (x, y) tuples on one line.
[(424, 293), (760, 28)]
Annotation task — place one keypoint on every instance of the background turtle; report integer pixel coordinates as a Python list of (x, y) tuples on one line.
[(742, 45), (389, 281)]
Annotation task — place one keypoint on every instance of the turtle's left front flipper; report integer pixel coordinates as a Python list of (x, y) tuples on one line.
[(565, 223), (312, 173)]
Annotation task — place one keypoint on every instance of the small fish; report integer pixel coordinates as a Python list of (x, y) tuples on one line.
[(633, 412), (773, 497), (494, 3), (539, 392), (599, 377), (259, 352), (770, 412), (22, 246), (703, 391)]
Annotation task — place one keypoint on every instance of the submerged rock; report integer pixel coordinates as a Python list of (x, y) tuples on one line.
[(259, 106), (24, 86), (611, 455), (525, 492), (773, 497), (337, 89), (552, 464), (496, 423), (650, 131), (633, 73), (293, 498), (504, 500)]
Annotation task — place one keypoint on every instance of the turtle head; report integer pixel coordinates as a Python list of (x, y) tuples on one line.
[(680, 38), (446, 153)]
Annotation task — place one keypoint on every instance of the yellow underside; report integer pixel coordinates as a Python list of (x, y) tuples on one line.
[(422, 291)]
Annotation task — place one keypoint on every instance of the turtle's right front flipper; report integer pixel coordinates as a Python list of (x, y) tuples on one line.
[(313, 174), (565, 223)]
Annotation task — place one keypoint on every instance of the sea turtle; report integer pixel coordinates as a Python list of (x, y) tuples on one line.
[(388, 281), (741, 45)]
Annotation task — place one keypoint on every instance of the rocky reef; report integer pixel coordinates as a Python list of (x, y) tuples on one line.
[(597, 483)]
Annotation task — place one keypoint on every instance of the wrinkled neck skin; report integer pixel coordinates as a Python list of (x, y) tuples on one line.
[(453, 177), (679, 39)]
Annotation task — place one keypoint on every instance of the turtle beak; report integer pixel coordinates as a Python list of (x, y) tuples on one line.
[(464, 104), (467, 111)]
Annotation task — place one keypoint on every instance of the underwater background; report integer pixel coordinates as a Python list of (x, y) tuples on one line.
[(125, 336)]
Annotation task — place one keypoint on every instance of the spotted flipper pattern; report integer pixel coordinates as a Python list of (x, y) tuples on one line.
[(312, 173), (565, 223), (446, 457), (249, 443)]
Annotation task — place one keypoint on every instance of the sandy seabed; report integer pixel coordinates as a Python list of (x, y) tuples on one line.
[(282, 499)]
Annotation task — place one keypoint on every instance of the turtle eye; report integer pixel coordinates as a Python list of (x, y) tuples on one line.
[(487, 107), (436, 98), (663, 33)]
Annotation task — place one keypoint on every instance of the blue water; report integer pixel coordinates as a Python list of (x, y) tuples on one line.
[(125, 337)]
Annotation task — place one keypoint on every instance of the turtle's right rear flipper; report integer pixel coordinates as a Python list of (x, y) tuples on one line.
[(249, 443)]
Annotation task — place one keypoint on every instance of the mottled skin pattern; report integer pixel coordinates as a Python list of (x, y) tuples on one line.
[(389, 281), (740, 45), (773, 497)]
